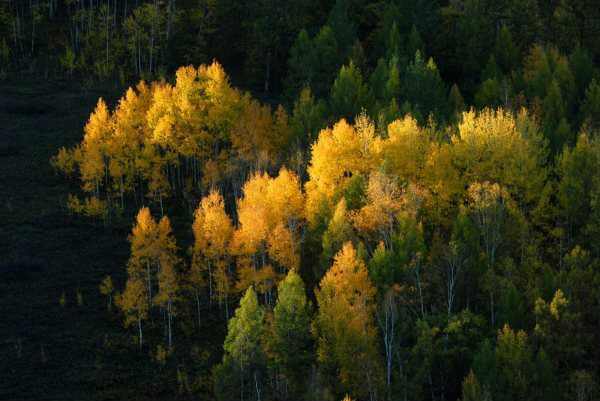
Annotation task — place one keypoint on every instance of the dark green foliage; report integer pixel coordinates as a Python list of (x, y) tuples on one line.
[(328, 60), (424, 88), (307, 119), (348, 93), (289, 340), (355, 192), (301, 66), (506, 51), (590, 107)]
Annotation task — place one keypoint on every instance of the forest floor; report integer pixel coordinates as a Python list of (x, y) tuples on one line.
[(78, 351)]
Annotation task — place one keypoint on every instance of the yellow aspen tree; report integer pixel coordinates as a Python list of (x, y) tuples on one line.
[(92, 157), (509, 149), (130, 133), (283, 249), (223, 286), (94, 152), (285, 200), (338, 232), (65, 161), (213, 230), (443, 182), (249, 139), (168, 280), (212, 227), (345, 327), (221, 110), (162, 123), (379, 216), (162, 117), (338, 154), (497, 146), (144, 253), (133, 301), (189, 107), (251, 235), (405, 149), (269, 215)]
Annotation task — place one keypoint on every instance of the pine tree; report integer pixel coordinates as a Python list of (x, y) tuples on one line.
[(301, 66), (424, 88), (348, 93), (327, 54)]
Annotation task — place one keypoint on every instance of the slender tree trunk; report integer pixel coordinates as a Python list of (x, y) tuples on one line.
[(242, 381), (198, 305), (257, 389), (170, 321), (149, 282), (140, 329), (122, 201)]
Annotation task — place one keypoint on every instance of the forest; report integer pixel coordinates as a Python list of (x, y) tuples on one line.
[(332, 200)]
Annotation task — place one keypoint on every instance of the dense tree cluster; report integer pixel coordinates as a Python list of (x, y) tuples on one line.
[(437, 252), (399, 228)]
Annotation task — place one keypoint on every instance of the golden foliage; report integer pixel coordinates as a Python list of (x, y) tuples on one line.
[(405, 149), (338, 154), (283, 248), (344, 324), (383, 208), (212, 227)]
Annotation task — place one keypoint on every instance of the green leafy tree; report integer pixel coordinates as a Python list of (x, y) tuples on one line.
[(289, 338), (244, 356)]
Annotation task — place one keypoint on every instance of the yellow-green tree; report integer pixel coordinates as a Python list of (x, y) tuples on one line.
[(133, 301), (345, 328)]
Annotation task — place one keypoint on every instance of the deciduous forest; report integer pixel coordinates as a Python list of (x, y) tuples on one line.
[(391, 200)]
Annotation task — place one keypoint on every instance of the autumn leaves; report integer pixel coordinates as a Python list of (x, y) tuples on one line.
[(164, 140), (152, 271)]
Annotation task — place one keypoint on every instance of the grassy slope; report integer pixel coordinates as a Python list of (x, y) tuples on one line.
[(48, 352)]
